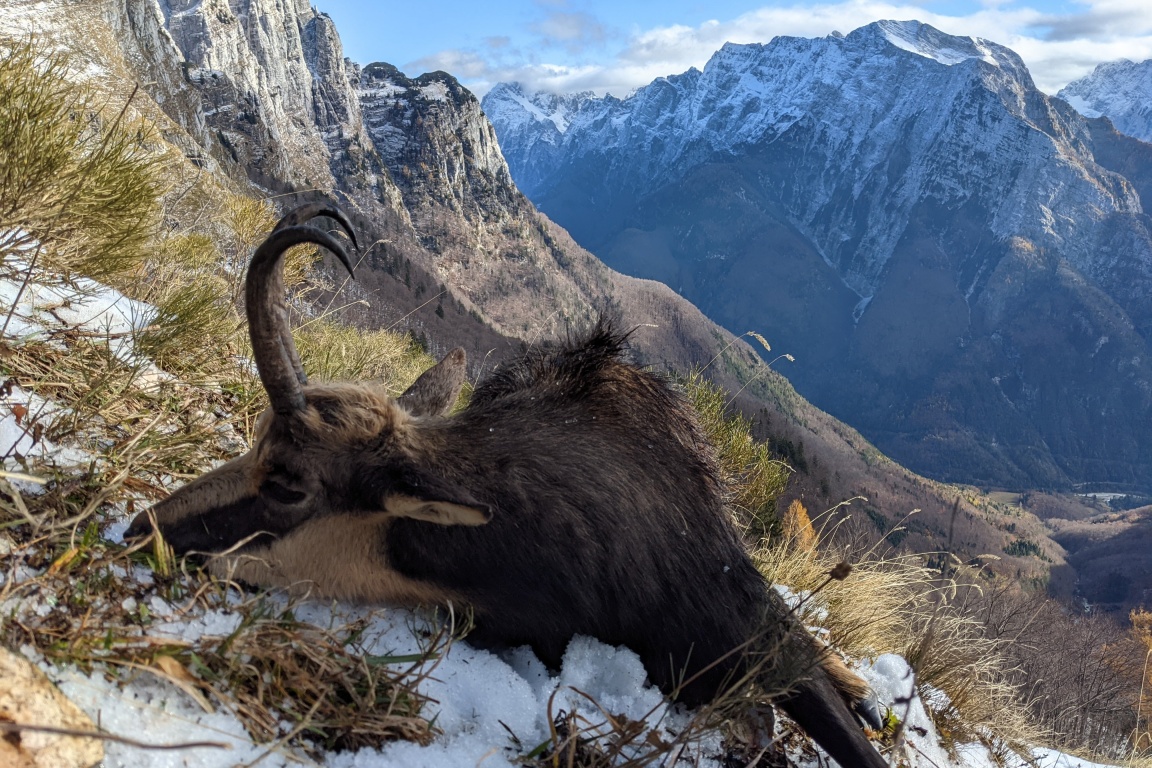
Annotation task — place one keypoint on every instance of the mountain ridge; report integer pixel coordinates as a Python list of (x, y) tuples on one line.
[(1119, 90), (801, 187)]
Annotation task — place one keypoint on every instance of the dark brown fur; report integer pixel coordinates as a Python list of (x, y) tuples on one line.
[(575, 494)]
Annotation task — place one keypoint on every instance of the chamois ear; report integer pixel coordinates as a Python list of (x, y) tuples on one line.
[(435, 392), (429, 496), (439, 512)]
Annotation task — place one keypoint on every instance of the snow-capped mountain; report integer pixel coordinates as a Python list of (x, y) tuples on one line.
[(1119, 90), (534, 125), (865, 94), (898, 207)]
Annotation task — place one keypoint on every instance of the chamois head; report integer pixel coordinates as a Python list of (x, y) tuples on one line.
[(319, 450)]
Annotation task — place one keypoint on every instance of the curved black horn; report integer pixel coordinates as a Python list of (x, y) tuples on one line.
[(309, 211), (296, 217), (272, 345)]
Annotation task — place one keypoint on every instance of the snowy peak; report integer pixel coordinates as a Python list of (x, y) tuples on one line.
[(534, 125), (865, 91), (877, 38), (1119, 90), (540, 107), (931, 43), (747, 92)]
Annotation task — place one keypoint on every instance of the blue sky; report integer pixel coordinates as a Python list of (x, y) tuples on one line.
[(572, 45)]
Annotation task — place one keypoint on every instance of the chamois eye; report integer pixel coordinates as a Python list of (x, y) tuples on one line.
[(281, 493)]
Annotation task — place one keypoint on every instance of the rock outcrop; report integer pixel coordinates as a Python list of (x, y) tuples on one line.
[(27, 697)]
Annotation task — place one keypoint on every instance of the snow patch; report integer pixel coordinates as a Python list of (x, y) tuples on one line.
[(386, 91), (156, 712), (20, 412), (434, 91), (1050, 758), (558, 115), (1120, 90), (192, 10), (36, 310), (910, 36), (490, 708), (894, 683), (1081, 105)]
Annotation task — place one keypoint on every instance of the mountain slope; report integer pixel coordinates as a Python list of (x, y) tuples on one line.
[(430, 152), (930, 235), (1119, 90)]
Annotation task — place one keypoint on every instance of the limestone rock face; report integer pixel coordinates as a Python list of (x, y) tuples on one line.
[(264, 91), (436, 141), (487, 239), (263, 88), (28, 697)]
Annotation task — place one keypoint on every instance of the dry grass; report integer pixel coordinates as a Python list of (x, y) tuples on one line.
[(142, 432), (274, 669), (85, 196), (737, 729), (897, 605), (270, 670), (334, 352), (887, 605)]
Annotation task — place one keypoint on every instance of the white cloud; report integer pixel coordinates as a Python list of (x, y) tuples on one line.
[(465, 66), (573, 30), (1057, 48)]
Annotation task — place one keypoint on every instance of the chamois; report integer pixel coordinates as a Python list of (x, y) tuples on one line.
[(575, 494)]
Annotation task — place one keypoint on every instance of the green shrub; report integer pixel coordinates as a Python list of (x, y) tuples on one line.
[(1024, 548), (754, 476), (75, 179)]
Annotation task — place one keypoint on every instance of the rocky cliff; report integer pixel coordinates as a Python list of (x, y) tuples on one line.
[(931, 236), (263, 88)]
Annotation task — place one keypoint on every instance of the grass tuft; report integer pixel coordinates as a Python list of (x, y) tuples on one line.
[(756, 479), (333, 352), (897, 605)]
